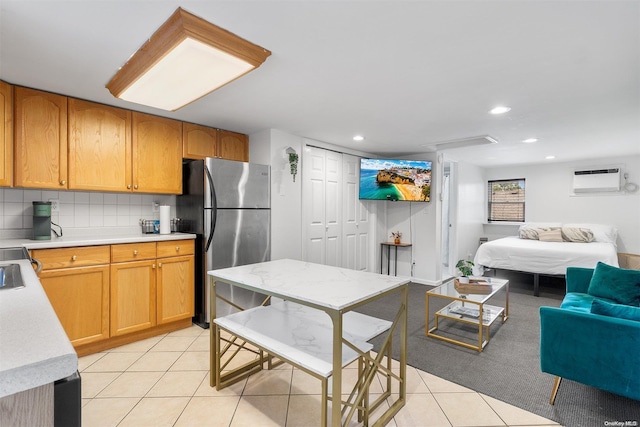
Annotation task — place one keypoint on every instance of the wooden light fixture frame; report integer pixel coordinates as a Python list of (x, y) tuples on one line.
[(180, 26)]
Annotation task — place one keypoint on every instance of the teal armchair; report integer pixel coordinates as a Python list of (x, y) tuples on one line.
[(592, 349)]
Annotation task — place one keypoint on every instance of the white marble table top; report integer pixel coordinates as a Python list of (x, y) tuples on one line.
[(314, 284)]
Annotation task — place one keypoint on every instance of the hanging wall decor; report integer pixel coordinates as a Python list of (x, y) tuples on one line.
[(293, 162)]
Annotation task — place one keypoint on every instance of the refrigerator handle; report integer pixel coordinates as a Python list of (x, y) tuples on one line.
[(213, 210)]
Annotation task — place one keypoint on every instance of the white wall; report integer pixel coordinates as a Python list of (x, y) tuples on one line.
[(470, 183), (268, 147), (548, 198)]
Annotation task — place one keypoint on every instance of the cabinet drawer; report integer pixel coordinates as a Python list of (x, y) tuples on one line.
[(80, 256), (175, 248), (133, 252)]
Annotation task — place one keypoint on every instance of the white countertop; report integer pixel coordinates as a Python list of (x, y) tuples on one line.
[(313, 284), (34, 349), (65, 242)]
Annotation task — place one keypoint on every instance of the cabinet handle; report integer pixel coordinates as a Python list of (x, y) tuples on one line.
[(159, 265), (153, 266), (128, 186), (135, 252), (177, 248), (63, 182), (73, 258), (135, 187)]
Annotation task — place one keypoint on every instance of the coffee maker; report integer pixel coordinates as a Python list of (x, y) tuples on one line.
[(41, 220)]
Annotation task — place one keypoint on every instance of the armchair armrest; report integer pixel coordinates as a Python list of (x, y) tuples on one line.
[(598, 351), (578, 279)]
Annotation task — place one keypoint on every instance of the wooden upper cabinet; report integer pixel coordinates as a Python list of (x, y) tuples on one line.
[(232, 146), (40, 122), (157, 154), (99, 147), (6, 134), (198, 141)]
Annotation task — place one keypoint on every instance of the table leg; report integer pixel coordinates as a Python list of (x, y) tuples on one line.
[(336, 389), (213, 343), (388, 260), (395, 267), (480, 327)]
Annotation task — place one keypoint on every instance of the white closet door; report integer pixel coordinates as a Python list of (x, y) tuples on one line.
[(314, 246), (356, 234), (333, 208)]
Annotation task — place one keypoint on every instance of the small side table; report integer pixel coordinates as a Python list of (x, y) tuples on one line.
[(389, 245)]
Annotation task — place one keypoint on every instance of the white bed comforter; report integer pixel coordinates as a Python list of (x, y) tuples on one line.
[(534, 256)]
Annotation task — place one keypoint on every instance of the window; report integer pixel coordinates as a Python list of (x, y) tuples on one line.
[(506, 200)]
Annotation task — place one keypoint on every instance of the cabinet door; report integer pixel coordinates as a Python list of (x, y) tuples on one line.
[(198, 141), (157, 154), (175, 288), (233, 146), (99, 147), (40, 139), (133, 296), (80, 298), (6, 134)]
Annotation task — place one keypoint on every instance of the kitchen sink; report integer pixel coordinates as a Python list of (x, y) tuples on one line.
[(10, 277)]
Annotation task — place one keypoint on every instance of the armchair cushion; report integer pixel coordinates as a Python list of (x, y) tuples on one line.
[(615, 310), (617, 284)]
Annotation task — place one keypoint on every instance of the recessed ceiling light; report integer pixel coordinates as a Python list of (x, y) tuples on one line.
[(550, 157), (358, 138), (530, 140), (500, 110)]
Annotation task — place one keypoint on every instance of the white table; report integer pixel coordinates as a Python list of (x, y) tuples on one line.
[(335, 291)]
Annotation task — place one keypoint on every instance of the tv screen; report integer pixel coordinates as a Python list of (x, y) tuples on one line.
[(391, 179)]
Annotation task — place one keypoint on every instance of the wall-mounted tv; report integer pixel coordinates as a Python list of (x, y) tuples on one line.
[(396, 180)]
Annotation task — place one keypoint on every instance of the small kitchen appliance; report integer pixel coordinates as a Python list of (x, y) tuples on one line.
[(41, 220)]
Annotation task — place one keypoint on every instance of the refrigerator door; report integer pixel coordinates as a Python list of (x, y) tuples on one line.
[(239, 185), (241, 237)]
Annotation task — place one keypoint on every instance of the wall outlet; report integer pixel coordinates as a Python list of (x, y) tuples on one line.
[(155, 207), (55, 205)]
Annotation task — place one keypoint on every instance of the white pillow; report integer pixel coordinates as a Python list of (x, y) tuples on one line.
[(539, 225), (601, 232)]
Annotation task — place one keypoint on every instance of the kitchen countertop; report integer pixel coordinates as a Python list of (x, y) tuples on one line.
[(34, 349), (65, 242)]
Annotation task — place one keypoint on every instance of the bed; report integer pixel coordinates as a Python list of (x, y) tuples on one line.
[(548, 249)]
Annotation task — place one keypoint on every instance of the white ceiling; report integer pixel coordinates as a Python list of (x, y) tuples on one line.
[(405, 74)]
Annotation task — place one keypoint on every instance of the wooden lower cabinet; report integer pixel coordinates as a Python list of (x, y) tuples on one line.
[(80, 298), (133, 296), (175, 288)]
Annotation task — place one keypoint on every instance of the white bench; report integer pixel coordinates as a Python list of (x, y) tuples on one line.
[(303, 337)]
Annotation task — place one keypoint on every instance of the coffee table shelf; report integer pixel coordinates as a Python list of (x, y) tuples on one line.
[(466, 308)]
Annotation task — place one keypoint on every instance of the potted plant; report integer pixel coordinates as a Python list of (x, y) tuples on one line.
[(466, 268), (396, 237)]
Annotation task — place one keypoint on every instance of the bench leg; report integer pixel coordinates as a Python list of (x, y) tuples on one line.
[(554, 391)]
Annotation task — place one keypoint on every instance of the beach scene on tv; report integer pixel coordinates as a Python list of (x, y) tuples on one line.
[(385, 179)]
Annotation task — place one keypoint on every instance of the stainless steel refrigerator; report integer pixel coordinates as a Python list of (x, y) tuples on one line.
[(227, 205)]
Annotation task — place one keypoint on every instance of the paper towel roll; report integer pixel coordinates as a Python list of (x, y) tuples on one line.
[(165, 219)]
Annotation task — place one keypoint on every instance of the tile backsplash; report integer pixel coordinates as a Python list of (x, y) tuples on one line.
[(79, 209)]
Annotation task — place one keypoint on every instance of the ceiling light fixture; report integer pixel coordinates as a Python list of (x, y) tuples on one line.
[(358, 138), (500, 110), (550, 157), (185, 59), (463, 142), (530, 140)]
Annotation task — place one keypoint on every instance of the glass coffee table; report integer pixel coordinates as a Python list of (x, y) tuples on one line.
[(469, 308)]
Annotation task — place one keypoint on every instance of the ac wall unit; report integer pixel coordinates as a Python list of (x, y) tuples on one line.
[(596, 180)]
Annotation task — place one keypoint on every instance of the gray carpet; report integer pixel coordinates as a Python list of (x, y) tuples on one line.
[(509, 367)]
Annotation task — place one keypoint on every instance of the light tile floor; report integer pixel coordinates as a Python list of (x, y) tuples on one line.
[(164, 381)]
